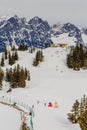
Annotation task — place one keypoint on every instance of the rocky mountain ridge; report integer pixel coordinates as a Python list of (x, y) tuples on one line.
[(35, 32)]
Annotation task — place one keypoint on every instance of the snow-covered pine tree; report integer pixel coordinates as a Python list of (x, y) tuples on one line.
[(83, 120), (74, 115)]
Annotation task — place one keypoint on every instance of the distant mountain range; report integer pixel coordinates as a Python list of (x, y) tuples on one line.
[(36, 32)]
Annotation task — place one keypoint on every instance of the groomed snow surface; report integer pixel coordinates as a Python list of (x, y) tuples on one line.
[(51, 81), (9, 118)]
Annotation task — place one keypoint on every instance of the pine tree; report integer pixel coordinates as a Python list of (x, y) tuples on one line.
[(77, 58), (81, 55), (83, 120), (11, 58), (16, 55), (2, 61), (14, 78), (79, 113), (13, 48), (38, 58), (1, 77), (6, 53), (31, 49), (35, 62), (23, 47), (17, 77), (85, 63), (74, 115), (81, 107), (83, 104), (8, 76), (70, 61)]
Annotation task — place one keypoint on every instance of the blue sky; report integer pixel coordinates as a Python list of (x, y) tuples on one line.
[(53, 11)]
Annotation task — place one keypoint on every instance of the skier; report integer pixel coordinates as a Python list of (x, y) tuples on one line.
[(38, 101), (33, 106), (45, 104)]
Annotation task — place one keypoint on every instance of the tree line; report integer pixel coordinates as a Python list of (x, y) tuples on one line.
[(12, 57), (22, 47), (16, 77), (78, 113), (77, 58)]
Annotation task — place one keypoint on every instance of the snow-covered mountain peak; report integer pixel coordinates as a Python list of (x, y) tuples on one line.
[(37, 22), (35, 19), (84, 30), (68, 28), (19, 30), (17, 20), (58, 25), (56, 28), (5, 17)]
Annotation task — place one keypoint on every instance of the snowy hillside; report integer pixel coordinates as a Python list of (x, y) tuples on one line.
[(9, 118), (68, 29), (64, 39), (51, 81)]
